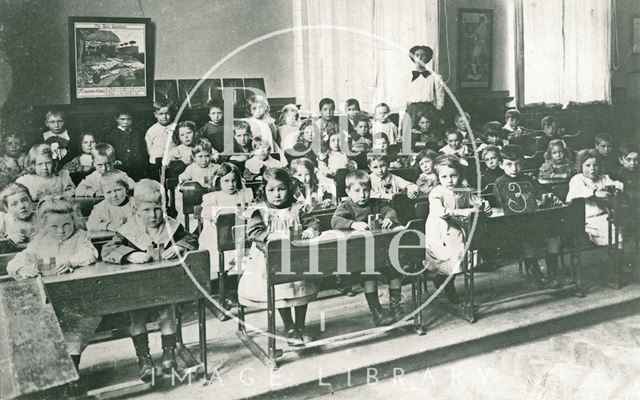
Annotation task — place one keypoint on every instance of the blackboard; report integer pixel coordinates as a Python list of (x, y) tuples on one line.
[(516, 197)]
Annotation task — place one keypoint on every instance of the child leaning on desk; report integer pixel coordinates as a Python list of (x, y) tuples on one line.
[(18, 223), (353, 214), (150, 228), (59, 235), (116, 208)]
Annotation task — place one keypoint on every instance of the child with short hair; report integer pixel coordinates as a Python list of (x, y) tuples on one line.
[(41, 177), (242, 144), (550, 130), (116, 208), (512, 128), (262, 125), (351, 108), (353, 214), (462, 127), (63, 146), (455, 147), (59, 235), (12, 158), (591, 184), (128, 143), (511, 163), (228, 191), (289, 126), (184, 140), (150, 227), (492, 135), (382, 146), (628, 172), (326, 124), (447, 226), (608, 160), (492, 159), (360, 140), (428, 179), (159, 137), (424, 133), (557, 165), (213, 130), (385, 184), (381, 123), (311, 191), (202, 169), (104, 157), (274, 217), (17, 223), (260, 161), (84, 161)]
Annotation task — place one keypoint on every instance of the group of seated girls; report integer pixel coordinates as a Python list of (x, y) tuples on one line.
[(302, 176)]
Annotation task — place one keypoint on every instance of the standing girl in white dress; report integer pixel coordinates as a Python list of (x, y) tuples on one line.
[(271, 219), (450, 206)]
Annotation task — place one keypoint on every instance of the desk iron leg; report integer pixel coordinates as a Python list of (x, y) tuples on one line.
[(420, 330), (202, 327), (472, 294), (222, 287), (574, 260), (271, 326), (184, 353)]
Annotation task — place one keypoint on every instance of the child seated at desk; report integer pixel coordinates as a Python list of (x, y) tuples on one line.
[(184, 140), (455, 147), (492, 159), (242, 147), (202, 169), (428, 179), (424, 134), (550, 130), (228, 193), (103, 159), (381, 124), (385, 184), (511, 164), (512, 129), (42, 178), (274, 217), (557, 164), (608, 162), (260, 161), (492, 135), (447, 225), (59, 235), (360, 140), (116, 208), (334, 159), (150, 228), (83, 162), (594, 186), (12, 159), (381, 146), (311, 190), (18, 222), (353, 214), (628, 173)]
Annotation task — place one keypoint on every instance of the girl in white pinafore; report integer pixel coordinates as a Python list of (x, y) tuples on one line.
[(270, 219)]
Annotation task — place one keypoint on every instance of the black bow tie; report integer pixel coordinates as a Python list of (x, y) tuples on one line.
[(416, 74)]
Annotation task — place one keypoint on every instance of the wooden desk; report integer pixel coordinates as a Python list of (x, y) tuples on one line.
[(86, 204), (346, 252)]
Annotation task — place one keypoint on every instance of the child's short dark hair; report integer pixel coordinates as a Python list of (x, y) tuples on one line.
[(458, 116), (10, 190), (512, 152), (117, 177), (626, 149), (426, 153), (351, 102), (381, 135), (491, 149), (215, 103), (55, 112), (327, 100), (451, 161), (104, 150), (259, 143), (603, 137), (426, 49), (584, 155), (512, 113), (548, 121), (202, 145), (453, 131), (493, 129), (357, 177), (163, 103), (183, 124), (224, 169), (377, 157), (422, 114), (360, 117), (385, 105), (241, 124)]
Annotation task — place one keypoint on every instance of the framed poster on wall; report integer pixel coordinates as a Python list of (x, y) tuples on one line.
[(110, 59), (475, 27)]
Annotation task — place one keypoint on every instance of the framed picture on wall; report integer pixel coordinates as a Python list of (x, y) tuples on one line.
[(475, 27), (110, 59)]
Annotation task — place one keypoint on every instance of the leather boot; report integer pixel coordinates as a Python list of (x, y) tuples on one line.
[(145, 363), (395, 298), (169, 362)]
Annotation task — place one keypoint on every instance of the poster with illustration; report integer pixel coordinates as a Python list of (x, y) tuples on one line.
[(474, 48)]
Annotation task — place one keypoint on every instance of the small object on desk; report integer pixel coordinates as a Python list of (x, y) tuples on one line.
[(611, 189), (295, 231), (154, 251), (374, 221), (47, 269)]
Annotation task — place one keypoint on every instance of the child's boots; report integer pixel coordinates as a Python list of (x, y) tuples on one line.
[(552, 270), (380, 317), (395, 299), (531, 264), (146, 370), (169, 362), (449, 289)]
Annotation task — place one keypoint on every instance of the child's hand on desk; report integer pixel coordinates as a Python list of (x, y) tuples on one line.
[(360, 226), (309, 233), (412, 192), (17, 237), (171, 252), (602, 194), (139, 257), (386, 223), (63, 268), (326, 203)]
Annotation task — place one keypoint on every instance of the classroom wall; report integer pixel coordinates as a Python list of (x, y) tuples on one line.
[(503, 77), (190, 37)]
